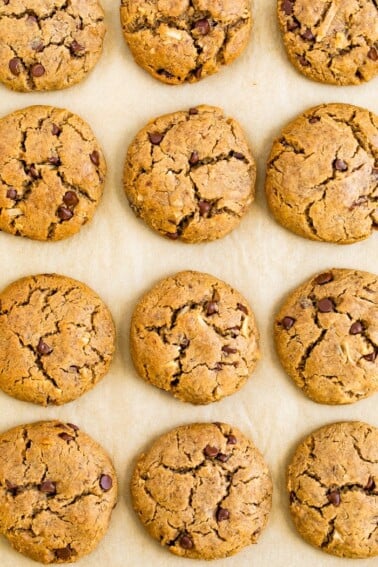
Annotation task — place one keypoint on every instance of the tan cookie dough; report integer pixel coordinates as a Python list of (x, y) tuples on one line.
[(50, 44), (333, 42), (191, 175), (179, 41), (203, 491), (56, 339), (194, 336), (58, 488), (332, 482), (327, 336), (52, 172), (322, 174)]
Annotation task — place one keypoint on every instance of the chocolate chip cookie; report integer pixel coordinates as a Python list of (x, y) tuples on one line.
[(191, 175), (332, 42), (52, 172), (332, 482), (178, 41), (203, 491), (56, 339), (194, 336), (322, 174), (327, 336), (49, 45), (58, 488)]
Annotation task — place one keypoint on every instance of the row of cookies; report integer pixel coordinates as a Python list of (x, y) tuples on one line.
[(202, 490), (190, 175), (53, 45)]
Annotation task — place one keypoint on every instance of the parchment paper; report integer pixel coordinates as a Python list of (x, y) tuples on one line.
[(121, 258)]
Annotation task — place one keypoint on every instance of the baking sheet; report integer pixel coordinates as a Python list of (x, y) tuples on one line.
[(120, 258)]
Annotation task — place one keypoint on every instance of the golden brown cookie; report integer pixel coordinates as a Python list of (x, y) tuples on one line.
[(49, 45), (194, 336), (203, 491), (56, 339), (322, 174), (332, 482), (190, 175), (333, 42), (52, 172), (179, 41), (58, 488), (327, 336)]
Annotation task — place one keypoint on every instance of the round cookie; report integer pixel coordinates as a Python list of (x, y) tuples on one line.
[(322, 174), (49, 45), (52, 172), (332, 482), (332, 42), (191, 175), (58, 488), (203, 491), (178, 41), (327, 336), (194, 336), (56, 339)]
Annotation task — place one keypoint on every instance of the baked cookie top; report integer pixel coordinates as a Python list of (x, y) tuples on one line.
[(194, 336), (332, 482), (322, 174), (49, 44), (58, 488), (179, 41), (190, 175), (327, 336), (56, 339), (203, 491), (52, 172), (333, 42)]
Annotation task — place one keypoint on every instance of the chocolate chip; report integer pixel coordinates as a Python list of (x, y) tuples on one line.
[(229, 350), (194, 158), (291, 26), (37, 70), (64, 214), (184, 343), (75, 47), (374, 171), (303, 61), (235, 331), (204, 207), (324, 278), (314, 119), (172, 235), (287, 6), (333, 497), (43, 348), (186, 542), (95, 157), (211, 308), (326, 305), (175, 382), (32, 18), (55, 130), (231, 440), (54, 160), (243, 308), (48, 487), (308, 35), (70, 199), (222, 514), (11, 487), (73, 368), (358, 202), (193, 111), (211, 451), (106, 482), (66, 437), (370, 484), (155, 138), (15, 66), (238, 155), (73, 426), (371, 356), (203, 26), (165, 73), (356, 328), (198, 72), (37, 45), (31, 170), (222, 457), (12, 194), (287, 322), (340, 165), (63, 553), (373, 54), (218, 367)]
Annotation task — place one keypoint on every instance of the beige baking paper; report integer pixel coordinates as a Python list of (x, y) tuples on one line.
[(120, 258)]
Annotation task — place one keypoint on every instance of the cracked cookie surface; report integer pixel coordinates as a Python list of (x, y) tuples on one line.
[(179, 41), (194, 336), (52, 172), (327, 336), (49, 44), (332, 482), (56, 339), (58, 488), (203, 491), (322, 174), (333, 42), (191, 175)]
